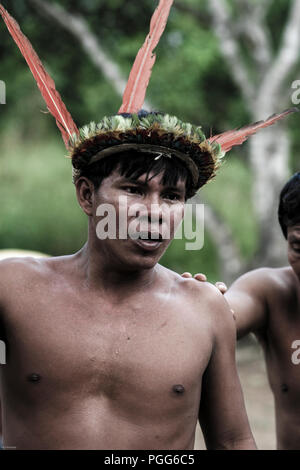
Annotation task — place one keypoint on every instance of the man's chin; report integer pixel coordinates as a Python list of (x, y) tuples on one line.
[(142, 261), (140, 258), (132, 255)]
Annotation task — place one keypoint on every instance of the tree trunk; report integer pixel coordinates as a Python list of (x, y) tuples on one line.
[(269, 155)]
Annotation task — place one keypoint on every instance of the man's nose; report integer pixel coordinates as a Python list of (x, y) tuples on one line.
[(152, 214), (152, 209)]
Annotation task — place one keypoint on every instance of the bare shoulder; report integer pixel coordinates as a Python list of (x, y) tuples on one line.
[(190, 287), (34, 265), (266, 280), (208, 300), (202, 298), (201, 291), (283, 277), (15, 266), (18, 272), (282, 285)]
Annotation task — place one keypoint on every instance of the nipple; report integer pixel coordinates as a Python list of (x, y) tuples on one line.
[(34, 378), (178, 389)]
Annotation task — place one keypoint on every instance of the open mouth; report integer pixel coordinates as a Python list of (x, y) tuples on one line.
[(150, 236), (149, 241)]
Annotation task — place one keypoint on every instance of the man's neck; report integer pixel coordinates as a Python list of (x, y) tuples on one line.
[(103, 274)]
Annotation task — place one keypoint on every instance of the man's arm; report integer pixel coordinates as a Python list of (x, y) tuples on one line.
[(1, 339), (247, 297), (222, 413), (0, 425)]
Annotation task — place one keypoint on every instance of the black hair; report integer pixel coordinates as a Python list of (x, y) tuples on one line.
[(289, 204), (133, 164)]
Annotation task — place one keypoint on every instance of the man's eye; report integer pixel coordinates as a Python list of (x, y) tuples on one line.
[(172, 196), (132, 190)]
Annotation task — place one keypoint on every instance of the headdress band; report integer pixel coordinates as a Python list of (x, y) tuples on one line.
[(148, 148)]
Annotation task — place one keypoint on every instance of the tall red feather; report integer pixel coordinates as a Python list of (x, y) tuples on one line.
[(134, 94), (230, 139), (45, 83)]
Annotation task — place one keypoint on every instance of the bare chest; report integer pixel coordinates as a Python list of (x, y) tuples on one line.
[(147, 349), (282, 351)]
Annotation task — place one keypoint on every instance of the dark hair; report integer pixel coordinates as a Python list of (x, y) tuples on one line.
[(133, 164), (289, 204)]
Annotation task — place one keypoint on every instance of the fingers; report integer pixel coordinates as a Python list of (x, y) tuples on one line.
[(221, 286), (200, 277)]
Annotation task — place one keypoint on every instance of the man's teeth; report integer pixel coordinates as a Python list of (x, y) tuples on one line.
[(150, 239)]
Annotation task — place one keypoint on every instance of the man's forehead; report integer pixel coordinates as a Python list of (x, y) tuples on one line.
[(152, 180)]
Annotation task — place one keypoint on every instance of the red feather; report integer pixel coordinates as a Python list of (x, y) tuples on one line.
[(45, 83), (230, 139), (134, 94)]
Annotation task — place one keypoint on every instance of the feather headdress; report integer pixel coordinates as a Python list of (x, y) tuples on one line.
[(155, 133), (45, 83)]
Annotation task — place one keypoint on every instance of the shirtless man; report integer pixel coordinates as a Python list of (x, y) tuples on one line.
[(266, 302), (107, 349)]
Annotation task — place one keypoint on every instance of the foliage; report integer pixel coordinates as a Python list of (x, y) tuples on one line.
[(190, 80)]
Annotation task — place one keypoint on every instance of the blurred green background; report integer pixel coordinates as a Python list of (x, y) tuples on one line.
[(190, 79)]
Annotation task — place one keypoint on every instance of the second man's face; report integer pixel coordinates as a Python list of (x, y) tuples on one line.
[(293, 238)]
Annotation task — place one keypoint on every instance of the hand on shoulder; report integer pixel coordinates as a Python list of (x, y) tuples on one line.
[(202, 278)]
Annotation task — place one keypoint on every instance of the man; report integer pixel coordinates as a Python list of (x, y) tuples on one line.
[(266, 302), (106, 349)]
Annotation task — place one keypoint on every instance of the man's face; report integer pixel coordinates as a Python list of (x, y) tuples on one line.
[(147, 215), (293, 238)]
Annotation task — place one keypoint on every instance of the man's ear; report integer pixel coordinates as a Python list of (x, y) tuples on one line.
[(85, 194)]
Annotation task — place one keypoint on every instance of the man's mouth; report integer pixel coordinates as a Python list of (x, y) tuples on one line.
[(150, 236), (149, 241)]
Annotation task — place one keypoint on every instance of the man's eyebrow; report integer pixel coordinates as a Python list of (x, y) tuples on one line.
[(179, 189), (124, 179)]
